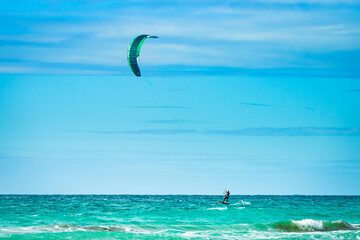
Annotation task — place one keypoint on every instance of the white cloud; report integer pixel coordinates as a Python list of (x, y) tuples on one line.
[(209, 36)]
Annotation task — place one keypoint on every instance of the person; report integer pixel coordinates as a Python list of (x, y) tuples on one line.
[(226, 197)]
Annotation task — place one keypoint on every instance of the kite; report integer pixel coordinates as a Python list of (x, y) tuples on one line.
[(134, 52)]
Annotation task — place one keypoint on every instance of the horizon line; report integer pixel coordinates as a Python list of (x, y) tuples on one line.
[(177, 194)]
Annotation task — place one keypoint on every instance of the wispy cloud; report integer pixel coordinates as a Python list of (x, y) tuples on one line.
[(265, 131), (294, 131), (176, 121), (196, 34), (336, 2), (145, 131), (352, 90), (160, 107), (256, 104)]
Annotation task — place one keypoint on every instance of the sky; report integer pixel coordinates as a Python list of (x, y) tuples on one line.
[(258, 97)]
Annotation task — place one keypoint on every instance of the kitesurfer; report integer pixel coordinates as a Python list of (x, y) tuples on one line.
[(226, 197)]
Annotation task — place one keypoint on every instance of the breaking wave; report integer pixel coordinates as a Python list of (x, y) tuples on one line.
[(310, 225)]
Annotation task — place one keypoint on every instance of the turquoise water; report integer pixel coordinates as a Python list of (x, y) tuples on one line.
[(178, 217)]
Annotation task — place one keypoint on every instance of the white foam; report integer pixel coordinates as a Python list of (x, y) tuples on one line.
[(242, 202), (217, 208), (137, 229), (309, 224), (189, 234), (61, 228), (357, 226)]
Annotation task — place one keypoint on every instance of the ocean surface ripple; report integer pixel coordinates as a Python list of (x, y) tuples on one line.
[(178, 217)]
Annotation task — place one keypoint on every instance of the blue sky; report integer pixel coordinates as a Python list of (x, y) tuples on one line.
[(260, 97)]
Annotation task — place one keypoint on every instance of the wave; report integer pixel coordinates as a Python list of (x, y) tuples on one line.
[(57, 228), (242, 202), (310, 225), (208, 231), (217, 208)]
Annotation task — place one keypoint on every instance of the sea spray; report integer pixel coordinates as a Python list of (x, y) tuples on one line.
[(310, 225)]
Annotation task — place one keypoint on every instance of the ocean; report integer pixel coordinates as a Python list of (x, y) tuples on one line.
[(178, 217)]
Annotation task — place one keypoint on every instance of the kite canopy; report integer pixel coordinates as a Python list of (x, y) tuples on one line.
[(134, 52)]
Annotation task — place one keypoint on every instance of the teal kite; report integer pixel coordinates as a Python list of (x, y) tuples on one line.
[(134, 52)]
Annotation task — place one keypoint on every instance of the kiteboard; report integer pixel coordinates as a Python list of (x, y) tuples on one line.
[(224, 203)]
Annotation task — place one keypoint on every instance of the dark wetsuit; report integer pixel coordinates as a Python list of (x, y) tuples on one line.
[(227, 194)]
